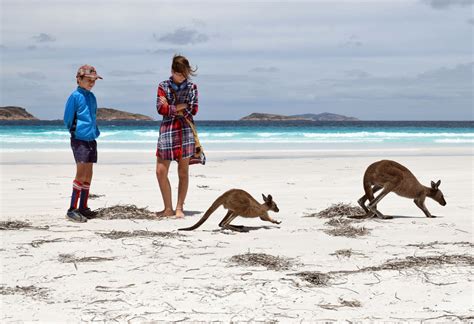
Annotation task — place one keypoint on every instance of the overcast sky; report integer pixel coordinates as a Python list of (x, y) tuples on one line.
[(374, 60)]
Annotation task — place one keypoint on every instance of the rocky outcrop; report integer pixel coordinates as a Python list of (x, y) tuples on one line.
[(326, 117), (310, 117), (109, 114), (15, 113), (270, 117)]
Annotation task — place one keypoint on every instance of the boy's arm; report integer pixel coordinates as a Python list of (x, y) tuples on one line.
[(162, 105), (69, 112)]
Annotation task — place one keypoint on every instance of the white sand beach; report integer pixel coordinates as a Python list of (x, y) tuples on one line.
[(190, 277)]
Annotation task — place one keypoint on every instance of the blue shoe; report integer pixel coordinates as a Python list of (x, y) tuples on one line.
[(75, 216)]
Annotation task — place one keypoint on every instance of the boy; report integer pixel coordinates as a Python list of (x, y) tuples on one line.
[(80, 119)]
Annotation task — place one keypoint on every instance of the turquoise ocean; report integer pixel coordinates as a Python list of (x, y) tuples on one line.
[(248, 136)]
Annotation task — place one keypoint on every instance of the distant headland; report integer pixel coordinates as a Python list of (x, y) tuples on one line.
[(110, 114), (103, 114), (311, 117), (15, 113)]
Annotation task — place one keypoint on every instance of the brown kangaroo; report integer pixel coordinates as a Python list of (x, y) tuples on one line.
[(239, 203), (394, 177)]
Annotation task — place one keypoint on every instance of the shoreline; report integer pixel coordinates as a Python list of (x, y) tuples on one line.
[(148, 156)]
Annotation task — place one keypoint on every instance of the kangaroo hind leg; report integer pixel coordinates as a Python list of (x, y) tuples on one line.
[(362, 200), (226, 217), (226, 223), (373, 204)]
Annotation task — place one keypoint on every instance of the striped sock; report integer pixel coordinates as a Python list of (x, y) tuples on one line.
[(84, 195), (76, 192)]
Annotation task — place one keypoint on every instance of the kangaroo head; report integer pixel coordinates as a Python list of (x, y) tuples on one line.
[(436, 194), (270, 203)]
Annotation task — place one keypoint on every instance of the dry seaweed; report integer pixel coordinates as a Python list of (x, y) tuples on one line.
[(347, 253), (339, 210), (125, 212), (314, 277), (37, 243), (337, 215), (30, 291), (17, 225), (349, 303), (432, 244), (69, 258), (94, 196), (410, 262), (261, 259), (115, 235), (347, 231)]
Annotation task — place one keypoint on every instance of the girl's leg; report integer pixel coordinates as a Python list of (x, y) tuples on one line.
[(162, 167), (183, 174)]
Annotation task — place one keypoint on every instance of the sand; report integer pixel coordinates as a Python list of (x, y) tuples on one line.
[(57, 270)]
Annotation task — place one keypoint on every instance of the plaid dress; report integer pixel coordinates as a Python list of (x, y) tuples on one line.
[(176, 139)]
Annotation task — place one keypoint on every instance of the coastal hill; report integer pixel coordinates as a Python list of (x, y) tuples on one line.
[(15, 113), (312, 117), (109, 114), (104, 114)]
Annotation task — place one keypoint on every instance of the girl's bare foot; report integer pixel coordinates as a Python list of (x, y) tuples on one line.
[(165, 213), (179, 213)]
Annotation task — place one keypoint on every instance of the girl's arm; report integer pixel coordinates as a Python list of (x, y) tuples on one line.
[(193, 106), (162, 105)]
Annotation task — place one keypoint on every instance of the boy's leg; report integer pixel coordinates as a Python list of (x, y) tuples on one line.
[(77, 187), (183, 174), (86, 172), (162, 168)]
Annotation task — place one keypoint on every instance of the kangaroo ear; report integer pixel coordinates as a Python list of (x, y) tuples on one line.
[(438, 183), (433, 185), (264, 198), (270, 198)]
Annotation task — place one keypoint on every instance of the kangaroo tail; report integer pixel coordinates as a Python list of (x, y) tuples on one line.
[(208, 213)]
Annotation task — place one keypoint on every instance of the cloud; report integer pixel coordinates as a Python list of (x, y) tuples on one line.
[(358, 74), (445, 4), (183, 36), (44, 38), (270, 69), (31, 47), (460, 74), (165, 51), (470, 21), (353, 41), (199, 22), (124, 73), (35, 76)]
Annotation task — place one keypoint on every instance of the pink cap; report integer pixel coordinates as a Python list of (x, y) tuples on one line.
[(87, 71)]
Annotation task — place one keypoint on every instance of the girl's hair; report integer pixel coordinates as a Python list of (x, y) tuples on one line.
[(181, 65)]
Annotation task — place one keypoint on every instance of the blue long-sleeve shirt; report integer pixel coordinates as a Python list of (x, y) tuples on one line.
[(80, 115)]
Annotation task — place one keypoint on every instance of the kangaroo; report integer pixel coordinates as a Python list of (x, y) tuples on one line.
[(394, 177), (238, 203)]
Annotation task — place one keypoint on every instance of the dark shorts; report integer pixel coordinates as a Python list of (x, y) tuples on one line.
[(84, 151)]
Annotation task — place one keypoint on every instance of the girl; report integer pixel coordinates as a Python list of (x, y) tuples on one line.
[(177, 102)]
